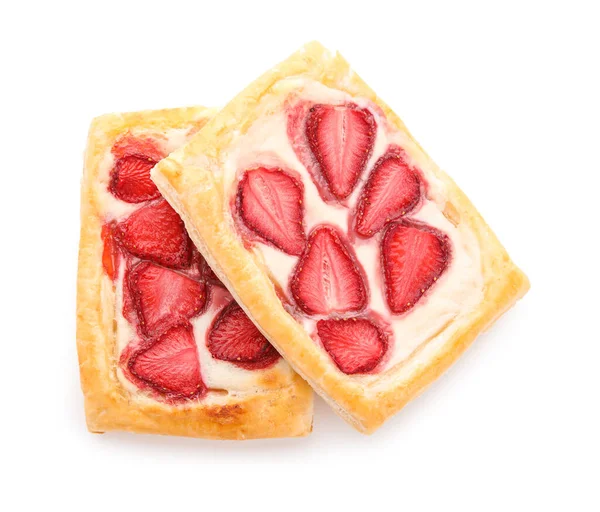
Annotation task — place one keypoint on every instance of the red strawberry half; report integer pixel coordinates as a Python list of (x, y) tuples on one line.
[(155, 232), (297, 113), (341, 138), (164, 298), (170, 365), (328, 278), (356, 345), (269, 202), (234, 338), (414, 255), (130, 179), (392, 190)]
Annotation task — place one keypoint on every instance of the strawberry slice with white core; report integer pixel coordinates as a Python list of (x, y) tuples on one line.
[(341, 138), (297, 114), (164, 298), (170, 365), (392, 190), (414, 256), (327, 278), (234, 338), (156, 233), (356, 345), (130, 179), (270, 204)]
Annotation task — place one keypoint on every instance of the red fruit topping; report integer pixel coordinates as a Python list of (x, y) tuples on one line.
[(414, 255), (170, 365), (164, 298), (341, 138), (327, 278), (356, 345), (234, 338), (392, 190), (155, 232), (130, 179), (110, 252), (270, 204)]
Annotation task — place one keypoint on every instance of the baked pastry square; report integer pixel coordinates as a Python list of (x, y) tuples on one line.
[(163, 347), (359, 259)]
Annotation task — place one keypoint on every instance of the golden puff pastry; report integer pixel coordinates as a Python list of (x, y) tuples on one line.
[(163, 348), (359, 259)]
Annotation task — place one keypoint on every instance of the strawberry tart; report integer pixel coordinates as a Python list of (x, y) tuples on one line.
[(361, 261), (163, 347)]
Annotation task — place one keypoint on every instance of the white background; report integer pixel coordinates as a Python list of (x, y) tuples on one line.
[(504, 98)]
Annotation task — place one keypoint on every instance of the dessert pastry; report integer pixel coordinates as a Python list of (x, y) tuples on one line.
[(163, 347), (358, 258)]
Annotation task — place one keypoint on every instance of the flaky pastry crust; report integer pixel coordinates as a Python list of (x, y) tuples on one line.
[(282, 407), (191, 182)]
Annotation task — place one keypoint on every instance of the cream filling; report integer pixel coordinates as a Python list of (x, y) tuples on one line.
[(216, 374), (456, 293)]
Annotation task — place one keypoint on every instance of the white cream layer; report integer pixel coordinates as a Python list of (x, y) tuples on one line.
[(455, 294)]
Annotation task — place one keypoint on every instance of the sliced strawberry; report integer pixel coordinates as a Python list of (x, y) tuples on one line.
[(341, 138), (297, 113), (164, 298), (130, 179), (414, 256), (234, 338), (270, 204), (170, 365), (328, 278), (155, 232), (356, 345), (110, 251), (392, 190)]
